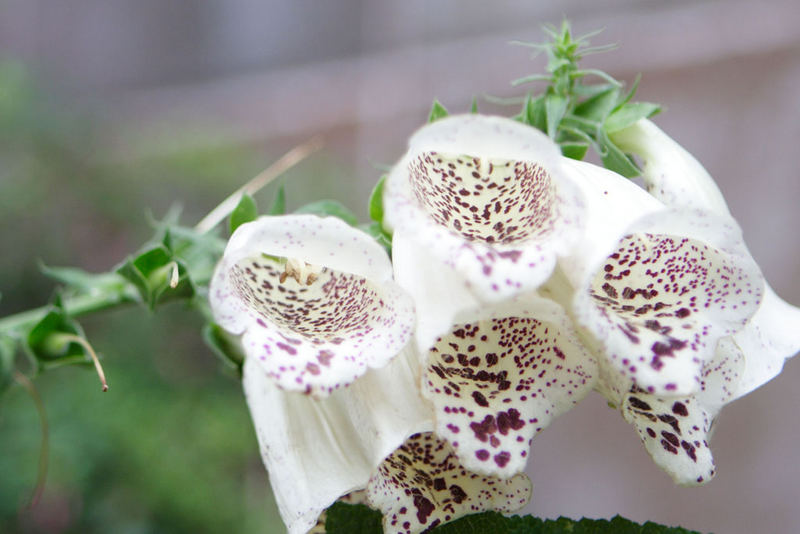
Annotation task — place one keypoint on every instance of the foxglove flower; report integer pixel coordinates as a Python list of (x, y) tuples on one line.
[(656, 287), (674, 426), (313, 300), (675, 177), (480, 210), (422, 484), (319, 450), (657, 293), (502, 375)]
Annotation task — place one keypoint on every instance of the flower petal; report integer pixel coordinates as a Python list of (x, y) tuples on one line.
[(498, 380), (771, 336), (437, 291), (311, 336), (422, 485), (486, 196), (660, 297), (317, 450), (674, 431), (674, 176), (671, 174)]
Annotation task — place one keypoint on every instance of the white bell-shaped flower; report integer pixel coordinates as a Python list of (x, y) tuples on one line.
[(313, 299), (480, 210)]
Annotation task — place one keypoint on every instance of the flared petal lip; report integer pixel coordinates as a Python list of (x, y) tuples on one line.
[(720, 233), (493, 271), (330, 243), (571, 354)]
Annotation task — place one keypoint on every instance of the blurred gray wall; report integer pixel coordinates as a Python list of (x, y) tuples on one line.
[(364, 73)]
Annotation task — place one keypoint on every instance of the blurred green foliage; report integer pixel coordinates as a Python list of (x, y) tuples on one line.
[(170, 447)]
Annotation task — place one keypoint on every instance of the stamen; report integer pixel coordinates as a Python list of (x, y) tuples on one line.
[(72, 338), (302, 272)]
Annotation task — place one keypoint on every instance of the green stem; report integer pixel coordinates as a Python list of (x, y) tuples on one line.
[(74, 306)]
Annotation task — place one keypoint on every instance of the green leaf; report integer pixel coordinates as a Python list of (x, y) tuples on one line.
[(555, 108), (244, 212), (598, 107), (279, 204), (359, 519), (534, 114), (615, 159), (628, 114), (588, 91), (632, 92), (574, 150), (330, 208), (352, 519), (376, 201), (474, 108), (152, 272), (438, 111), (224, 346)]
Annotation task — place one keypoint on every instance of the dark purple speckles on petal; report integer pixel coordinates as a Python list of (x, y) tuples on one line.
[(320, 336), (675, 433), (661, 302), (422, 484), (496, 383), (496, 202)]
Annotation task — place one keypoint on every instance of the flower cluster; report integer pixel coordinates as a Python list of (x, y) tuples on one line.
[(519, 281)]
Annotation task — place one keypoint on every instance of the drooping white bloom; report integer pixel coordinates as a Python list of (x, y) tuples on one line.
[(675, 177), (480, 211), (422, 484), (674, 423), (318, 450), (500, 376), (313, 300), (655, 287)]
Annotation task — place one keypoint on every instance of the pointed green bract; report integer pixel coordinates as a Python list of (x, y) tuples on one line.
[(574, 150), (153, 272), (578, 114), (615, 159), (474, 108), (629, 114), (599, 106), (376, 201), (438, 111), (80, 280), (244, 212), (44, 340), (555, 108), (534, 114), (279, 204)]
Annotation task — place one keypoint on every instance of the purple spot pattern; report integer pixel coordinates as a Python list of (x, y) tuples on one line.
[(666, 300), (496, 383), (675, 433), (422, 485), (495, 201), (316, 338)]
